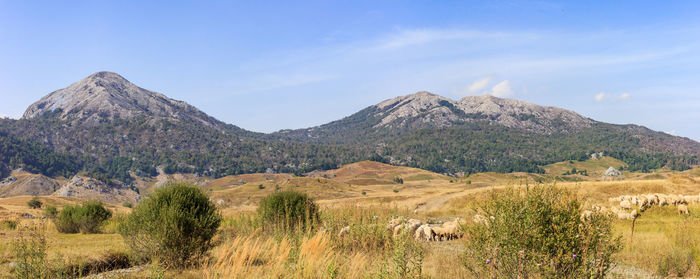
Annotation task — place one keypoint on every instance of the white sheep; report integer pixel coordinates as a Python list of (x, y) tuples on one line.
[(625, 204), (683, 209)]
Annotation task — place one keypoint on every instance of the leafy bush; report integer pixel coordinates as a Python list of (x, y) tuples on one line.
[(86, 218), (538, 232), (173, 226), (128, 205), (50, 211), (8, 224), (34, 203), (287, 210)]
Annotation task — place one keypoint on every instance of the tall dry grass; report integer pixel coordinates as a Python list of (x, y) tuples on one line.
[(265, 257)]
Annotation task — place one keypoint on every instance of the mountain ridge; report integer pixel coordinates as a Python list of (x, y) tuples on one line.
[(112, 127)]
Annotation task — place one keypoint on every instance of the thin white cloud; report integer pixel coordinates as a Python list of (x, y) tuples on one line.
[(502, 89), (599, 97), (673, 133), (624, 96), (479, 85), (406, 38)]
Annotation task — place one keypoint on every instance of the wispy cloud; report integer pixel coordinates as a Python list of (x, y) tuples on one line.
[(599, 97), (624, 96), (502, 89), (479, 85), (405, 38)]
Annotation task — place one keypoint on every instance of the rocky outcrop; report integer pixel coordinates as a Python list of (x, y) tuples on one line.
[(107, 96), (92, 189), (426, 109), (25, 184), (612, 172)]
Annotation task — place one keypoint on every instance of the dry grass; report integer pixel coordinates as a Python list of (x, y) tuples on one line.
[(245, 252)]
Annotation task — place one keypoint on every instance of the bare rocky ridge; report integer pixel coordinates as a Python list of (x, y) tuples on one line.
[(89, 188), (105, 96), (24, 183), (433, 110)]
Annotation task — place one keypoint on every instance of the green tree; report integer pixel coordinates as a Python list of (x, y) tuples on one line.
[(175, 225)]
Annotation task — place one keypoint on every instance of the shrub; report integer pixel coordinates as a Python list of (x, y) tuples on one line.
[(396, 190), (34, 203), (287, 210), (8, 224), (66, 221), (539, 233), (86, 218), (173, 226), (261, 187), (398, 180), (128, 205), (50, 211)]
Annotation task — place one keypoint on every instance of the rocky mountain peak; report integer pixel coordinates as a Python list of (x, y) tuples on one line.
[(424, 109), (105, 96)]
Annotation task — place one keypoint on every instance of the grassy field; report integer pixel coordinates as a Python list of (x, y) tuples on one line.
[(245, 251)]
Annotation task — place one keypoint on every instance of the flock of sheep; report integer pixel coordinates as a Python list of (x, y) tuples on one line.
[(642, 202), (419, 230)]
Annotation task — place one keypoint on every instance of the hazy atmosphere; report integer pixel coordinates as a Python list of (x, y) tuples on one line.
[(349, 139), (266, 66)]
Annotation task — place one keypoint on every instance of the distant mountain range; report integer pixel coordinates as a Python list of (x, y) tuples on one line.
[(111, 129)]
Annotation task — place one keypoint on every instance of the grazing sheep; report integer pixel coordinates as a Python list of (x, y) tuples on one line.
[(397, 230), (393, 223), (440, 233), (625, 205), (412, 225), (429, 233), (420, 233), (674, 199), (683, 210), (424, 232), (627, 216), (663, 200), (344, 231), (635, 201)]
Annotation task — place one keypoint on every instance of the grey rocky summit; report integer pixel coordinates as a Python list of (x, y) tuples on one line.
[(612, 172), (428, 109), (105, 96)]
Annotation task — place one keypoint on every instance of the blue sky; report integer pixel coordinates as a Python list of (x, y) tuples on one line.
[(266, 66)]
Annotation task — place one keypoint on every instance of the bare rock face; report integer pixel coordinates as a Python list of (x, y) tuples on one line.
[(429, 107), (107, 96), (424, 109), (92, 189), (26, 184)]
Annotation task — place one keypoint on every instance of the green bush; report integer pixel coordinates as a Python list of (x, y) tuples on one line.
[(288, 210), (34, 203), (174, 226), (538, 232), (50, 211), (128, 205), (86, 218), (8, 224)]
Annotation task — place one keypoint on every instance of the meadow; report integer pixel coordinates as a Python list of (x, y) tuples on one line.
[(364, 198)]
